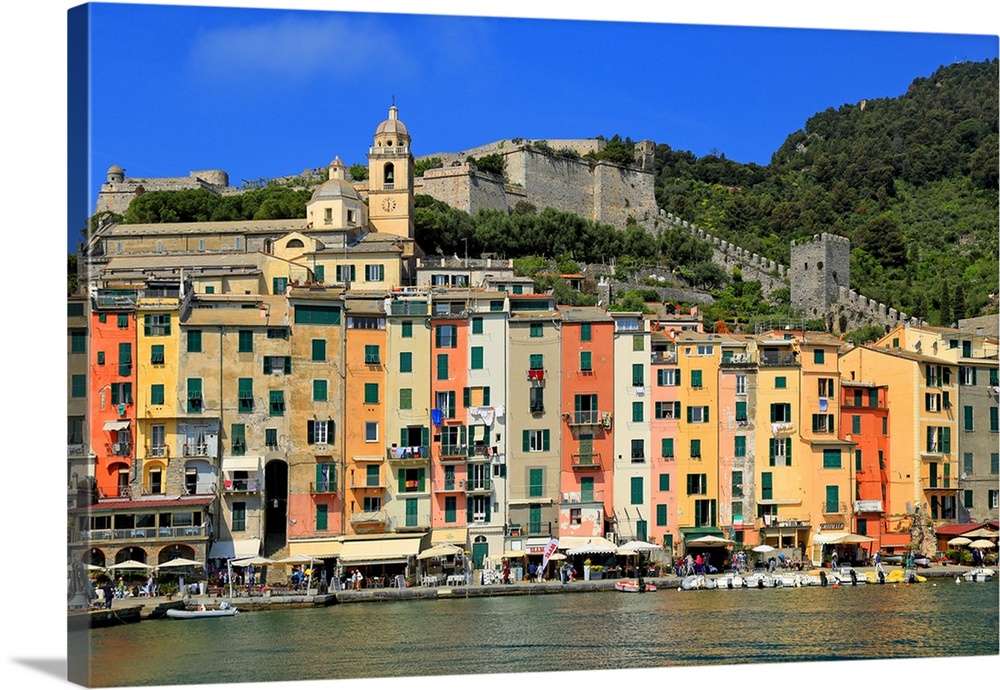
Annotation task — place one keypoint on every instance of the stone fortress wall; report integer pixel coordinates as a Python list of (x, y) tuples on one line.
[(601, 192), (118, 191)]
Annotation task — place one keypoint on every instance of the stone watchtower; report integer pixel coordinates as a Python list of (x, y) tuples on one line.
[(818, 269)]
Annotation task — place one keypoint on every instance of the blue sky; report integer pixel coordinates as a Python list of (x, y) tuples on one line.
[(268, 92)]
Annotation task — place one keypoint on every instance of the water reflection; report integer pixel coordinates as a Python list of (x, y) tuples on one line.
[(555, 632)]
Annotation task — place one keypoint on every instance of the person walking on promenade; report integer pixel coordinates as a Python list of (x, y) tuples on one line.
[(878, 563), (833, 561)]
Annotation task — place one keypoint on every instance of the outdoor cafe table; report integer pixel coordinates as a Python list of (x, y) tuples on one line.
[(456, 580)]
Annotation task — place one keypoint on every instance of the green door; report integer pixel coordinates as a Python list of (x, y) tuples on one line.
[(411, 512), (480, 550), (586, 449), (640, 530), (586, 489), (534, 519)]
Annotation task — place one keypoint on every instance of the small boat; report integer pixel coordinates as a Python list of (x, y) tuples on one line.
[(633, 586), (979, 575), (224, 611), (904, 576), (849, 576)]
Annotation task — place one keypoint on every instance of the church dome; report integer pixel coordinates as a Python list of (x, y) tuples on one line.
[(115, 170), (393, 125), (336, 189)]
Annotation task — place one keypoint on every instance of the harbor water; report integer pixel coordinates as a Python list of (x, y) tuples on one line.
[(556, 632)]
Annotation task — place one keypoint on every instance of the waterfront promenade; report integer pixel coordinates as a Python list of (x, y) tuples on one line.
[(155, 607)]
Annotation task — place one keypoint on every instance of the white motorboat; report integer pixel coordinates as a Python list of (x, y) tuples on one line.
[(978, 575), (224, 611)]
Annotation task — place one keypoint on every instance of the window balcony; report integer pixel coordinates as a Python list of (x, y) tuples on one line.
[(583, 418), (164, 534), (368, 517), (324, 487), (586, 461), (121, 449), (407, 455), (581, 497), (445, 486), (156, 451), (662, 357), (779, 360), (477, 486), (373, 483), (240, 486), (452, 454)]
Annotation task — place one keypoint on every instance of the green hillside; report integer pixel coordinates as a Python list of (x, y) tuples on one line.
[(911, 180)]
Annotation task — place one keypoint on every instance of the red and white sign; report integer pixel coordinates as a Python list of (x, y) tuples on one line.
[(550, 549)]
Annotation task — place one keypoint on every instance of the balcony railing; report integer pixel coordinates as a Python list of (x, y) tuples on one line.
[(120, 449), (582, 497), (407, 453), (240, 486), (408, 308), (156, 451), (586, 461), (738, 361), (454, 452), (585, 418), (659, 357), (473, 486), (839, 508), (367, 483), (788, 360), (368, 516), (149, 533), (324, 487), (445, 486)]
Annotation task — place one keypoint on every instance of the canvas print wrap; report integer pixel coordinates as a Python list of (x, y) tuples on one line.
[(536, 378)]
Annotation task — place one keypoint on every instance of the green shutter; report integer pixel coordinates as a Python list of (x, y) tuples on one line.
[(667, 446), (486, 395), (124, 359), (664, 482), (406, 361), (156, 394), (79, 386), (477, 357), (319, 390), (318, 350), (545, 439), (407, 329), (832, 499), (636, 491), (696, 378), (740, 446), (525, 441), (401, 474), (661, 514), (321, 517), (466, 397), (477, 325), (310, 432), (770, 450), (442, 367)]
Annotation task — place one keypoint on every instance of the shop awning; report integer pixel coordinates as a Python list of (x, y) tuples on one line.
[(316, 549), (583, 545), (841, 538), (536, 545), (779, 501), (454, 535), (379, 551), (245, 463), (513, 554), (115, 425), (238, 548)]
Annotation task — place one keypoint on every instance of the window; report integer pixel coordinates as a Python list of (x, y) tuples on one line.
[(123, 321), (994, 499), (78, 342), (736, 484), (638, 343), (406, 328), (372, 355), (317, 314), (586, 361), (766, 486), (322, 521), (536, 400), (697, 414), (667, 410), (696, 378), (668, 377), (477, 325), (832, 499), (822, 423), (245, 395), (237, 439), (156, 355), (124, 359), (637, 411), (967, 463), (819, 356), (194, 341), (75, 309), (195, 402), (374, 273), (318, 350), (371, 393), (371, 432), (277, 403), (319, 390), (858, 466), (994, 378), (575, 516), (446, 336), (993, 419), (239, 521), (278, 365), (856, 424), (932, 402), (741, 413), (271, 438), (535, 330), (697, 484), (781, 412), (831, 459), (74, 430), (536, 362), (664, 482), (741, 384), (344, 273), (695, 448), (442, 367), (245, 341), (585, 332), (825, 387), (667, 448), (536, 482), (636, 491), (780, 382), (638, 450), (705, 350), (156, 324), (637, 375), (121, 392), (405, 362), (704, 513), (938, 439), (967, 418), (100, 358), (156, 394), (476, 358), (740, 446), (779, 452), (535, 440), (78, 386), (994, 464)]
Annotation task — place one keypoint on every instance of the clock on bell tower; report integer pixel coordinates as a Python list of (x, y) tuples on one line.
[(390, 178)]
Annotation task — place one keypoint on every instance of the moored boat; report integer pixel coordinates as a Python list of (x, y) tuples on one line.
[(978, 575), (633, 586), (224, 611)]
